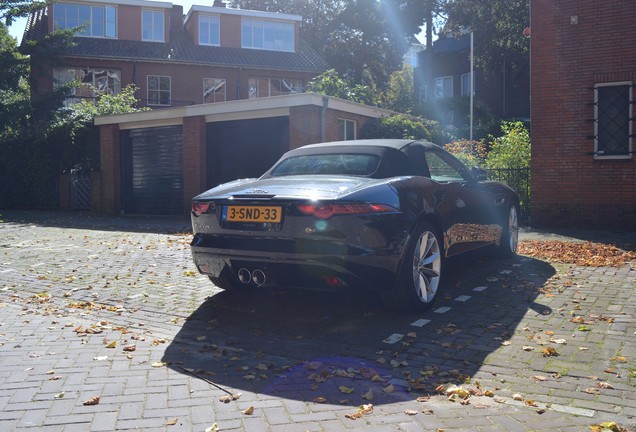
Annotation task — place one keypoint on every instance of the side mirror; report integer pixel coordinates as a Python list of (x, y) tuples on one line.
[(480, 174)]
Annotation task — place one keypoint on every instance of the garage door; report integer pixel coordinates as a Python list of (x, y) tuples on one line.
[(244, 148), (152, 171)]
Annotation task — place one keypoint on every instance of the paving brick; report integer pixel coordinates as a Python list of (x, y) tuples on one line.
[(149, 285)]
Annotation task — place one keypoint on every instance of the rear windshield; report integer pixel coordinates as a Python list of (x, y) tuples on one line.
[(345, 164)]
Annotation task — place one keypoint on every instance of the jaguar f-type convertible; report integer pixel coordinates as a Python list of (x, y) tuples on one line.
[(371, 214)]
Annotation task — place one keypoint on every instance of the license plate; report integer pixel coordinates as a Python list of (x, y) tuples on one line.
[(252, 214)]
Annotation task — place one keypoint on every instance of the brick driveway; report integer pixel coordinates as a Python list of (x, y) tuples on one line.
[(113, 307)]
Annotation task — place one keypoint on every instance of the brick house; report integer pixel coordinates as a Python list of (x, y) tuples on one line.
[(583, 70), (229, 84), (212, 54), (442, 79)]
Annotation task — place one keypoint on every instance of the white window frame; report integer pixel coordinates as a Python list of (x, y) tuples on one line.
[(443, 80), (217, 83), (466, 86), (60, 23), (162, 27), (344, 126), (211, 39), (255, 34), (256, 91), (158, 90), (598, 155)]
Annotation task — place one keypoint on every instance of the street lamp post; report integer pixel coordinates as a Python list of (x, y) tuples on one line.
[(472, 82)]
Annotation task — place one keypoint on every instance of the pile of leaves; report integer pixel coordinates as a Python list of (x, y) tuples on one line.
[(586, 254)]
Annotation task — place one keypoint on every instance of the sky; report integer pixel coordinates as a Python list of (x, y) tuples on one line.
[(17, 28)]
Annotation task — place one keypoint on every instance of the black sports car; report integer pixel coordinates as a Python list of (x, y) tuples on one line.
[(380, 214)]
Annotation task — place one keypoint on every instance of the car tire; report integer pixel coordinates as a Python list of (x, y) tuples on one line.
[(509, 240), (420, 272)]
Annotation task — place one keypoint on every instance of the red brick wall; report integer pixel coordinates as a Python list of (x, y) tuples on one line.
[(305, 126), (194, 158), (110, 169), (576, 44)]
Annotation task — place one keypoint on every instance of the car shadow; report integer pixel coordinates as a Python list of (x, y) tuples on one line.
[(345, 347)]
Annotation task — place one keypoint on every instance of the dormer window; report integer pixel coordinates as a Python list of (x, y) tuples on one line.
[(97, 21), (209, 30), (152, 26), (267, 35)]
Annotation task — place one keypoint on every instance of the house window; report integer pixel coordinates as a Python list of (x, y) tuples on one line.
[(209, 30), (466, 84), (158, 90), (443, 87), (267, 35), (612, 120), (411, 57), (152, 27), (97, 21), (346, 130), (93, 82), (213, 90), (266, 87)]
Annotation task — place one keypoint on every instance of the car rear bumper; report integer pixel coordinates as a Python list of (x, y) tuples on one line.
[(298, 263)]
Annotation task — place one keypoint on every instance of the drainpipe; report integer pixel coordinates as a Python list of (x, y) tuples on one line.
[(323, 111)]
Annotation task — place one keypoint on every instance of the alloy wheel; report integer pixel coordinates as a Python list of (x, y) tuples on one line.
[(427, 264)]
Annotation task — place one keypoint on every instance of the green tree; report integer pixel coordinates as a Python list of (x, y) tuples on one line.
[(498, 27), (398, 95), (12, 9), (330, 83), (512, 149), (75, 135)]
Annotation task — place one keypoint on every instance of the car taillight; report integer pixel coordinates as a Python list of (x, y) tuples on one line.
[(199, 208), (326, 211)]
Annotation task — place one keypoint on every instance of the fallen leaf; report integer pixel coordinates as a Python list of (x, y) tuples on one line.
[(389, 389), (248, 411), (158, 364), (92, 401), (346, 390), (528, 348), (410, 412), (113, 344), (517, 397), (320, 399), (130, 348), (605, 385), (549, 352), (539, 378), (592, 390), (172, 422), (213, 428), (59, 395), (366, 409), (230, 398)]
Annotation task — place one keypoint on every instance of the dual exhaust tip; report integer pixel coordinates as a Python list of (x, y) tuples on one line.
[(257, 276)]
